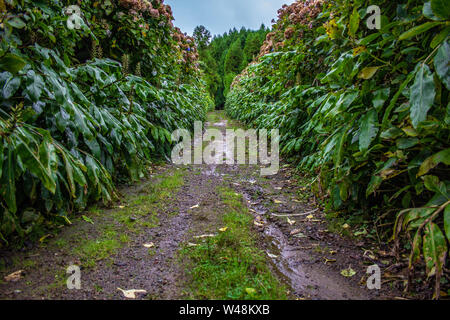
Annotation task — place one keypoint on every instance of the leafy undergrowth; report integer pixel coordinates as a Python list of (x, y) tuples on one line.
[(366, 113), (230, 265), (82, 109)]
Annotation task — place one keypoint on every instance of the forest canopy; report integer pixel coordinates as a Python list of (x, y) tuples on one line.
[(225, 56)]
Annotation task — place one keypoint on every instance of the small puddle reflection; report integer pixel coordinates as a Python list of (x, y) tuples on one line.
[(287, 257)]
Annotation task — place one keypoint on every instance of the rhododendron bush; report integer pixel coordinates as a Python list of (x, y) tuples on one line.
[(366, 112), (84, 108)]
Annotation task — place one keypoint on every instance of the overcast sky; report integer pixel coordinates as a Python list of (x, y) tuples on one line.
[(219, 16)]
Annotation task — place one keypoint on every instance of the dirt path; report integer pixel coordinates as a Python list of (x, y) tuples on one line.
[(153, 241)]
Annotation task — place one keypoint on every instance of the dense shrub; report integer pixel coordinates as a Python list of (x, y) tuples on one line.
[(366, 111), (73, 119)]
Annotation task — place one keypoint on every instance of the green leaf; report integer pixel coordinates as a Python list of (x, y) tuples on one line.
[(428, 12), (87, 219), (422, 95), (434, 249), (441, 8), (433, 161), (11, 87), (406, 143), (415, 252), (354, 23), (33, 163), (35, 86), (16, 22), (380, 97), (432, 183), (441, 64), (437, 40), (69, 172), (94, 147), (369, 129), (418, 30), (369, 39), (374, 184), (12, 63)]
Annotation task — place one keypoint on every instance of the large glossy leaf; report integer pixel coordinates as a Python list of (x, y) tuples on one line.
[(441, 9), (422, 93), (428, 12), (415, 252), (418, 30), (369, 129), (431, 162), (11, 86), (35, 86), (32, 162), (434, 249), (16, 22), (12, 63), (442, 64), (354, 22)]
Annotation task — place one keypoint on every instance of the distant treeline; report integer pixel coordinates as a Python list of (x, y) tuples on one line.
[(226, 56)]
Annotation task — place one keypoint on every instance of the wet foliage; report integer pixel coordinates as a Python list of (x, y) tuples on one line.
[(366, 111), (88, 99)]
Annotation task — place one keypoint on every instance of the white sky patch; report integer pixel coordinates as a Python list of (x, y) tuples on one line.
[(219, 16)]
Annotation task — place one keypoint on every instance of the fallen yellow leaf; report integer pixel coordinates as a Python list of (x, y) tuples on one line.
[(15, 276), (131, 294), (223, 229), (258, 224), (250, 291)]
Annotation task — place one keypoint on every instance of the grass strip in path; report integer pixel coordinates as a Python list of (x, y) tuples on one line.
[(230, 265)]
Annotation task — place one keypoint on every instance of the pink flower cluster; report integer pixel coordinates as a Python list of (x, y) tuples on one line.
[(187, 46), (301, 12), (137, 5), (156, 10)]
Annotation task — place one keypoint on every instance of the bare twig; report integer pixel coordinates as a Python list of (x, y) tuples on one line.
[(295, 215)]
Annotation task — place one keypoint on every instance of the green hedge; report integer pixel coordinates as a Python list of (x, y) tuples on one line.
[(365, 111), (74, 120)]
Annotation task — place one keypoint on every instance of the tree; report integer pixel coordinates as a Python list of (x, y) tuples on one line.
[(252, 46), (234, 58), (226, 56), (202, 37)]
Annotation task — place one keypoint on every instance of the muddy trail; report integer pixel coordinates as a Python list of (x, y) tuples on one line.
[(201, 232)]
